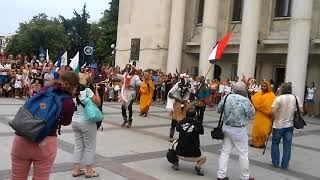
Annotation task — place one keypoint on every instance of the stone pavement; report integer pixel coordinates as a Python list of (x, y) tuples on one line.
[(139, 153)]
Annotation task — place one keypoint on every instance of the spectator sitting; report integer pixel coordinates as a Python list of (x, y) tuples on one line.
[(188, 147)]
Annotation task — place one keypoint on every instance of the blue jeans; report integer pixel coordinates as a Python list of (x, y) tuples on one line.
[(286, 134)]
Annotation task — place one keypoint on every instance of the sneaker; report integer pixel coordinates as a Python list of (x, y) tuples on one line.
[(175, 166), (124, 123), (129, 124), (199, 171), (251, 178)]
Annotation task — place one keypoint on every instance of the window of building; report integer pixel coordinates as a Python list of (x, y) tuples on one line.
[(237, 10), (194, 71), (201, 10), (283, 8)]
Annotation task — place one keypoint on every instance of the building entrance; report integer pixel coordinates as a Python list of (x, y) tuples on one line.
[(279, 76)]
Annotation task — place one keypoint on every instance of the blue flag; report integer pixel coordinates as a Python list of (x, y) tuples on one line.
[(42, 53), (59, 59)]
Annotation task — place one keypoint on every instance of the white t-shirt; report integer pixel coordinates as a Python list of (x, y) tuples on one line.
[(47, 77), (79, 114), (221, 88), (284, 107), (4, 67), (310, 93), (254, 88)]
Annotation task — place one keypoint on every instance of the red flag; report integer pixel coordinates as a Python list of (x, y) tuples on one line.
[(219, 48)]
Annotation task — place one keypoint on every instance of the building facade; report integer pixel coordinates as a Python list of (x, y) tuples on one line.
[(4, 40), (272, 39)]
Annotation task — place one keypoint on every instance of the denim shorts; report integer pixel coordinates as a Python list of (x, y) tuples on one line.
[(310, 101), (3, 80)]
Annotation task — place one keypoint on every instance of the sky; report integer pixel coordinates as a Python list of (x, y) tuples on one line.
[(15, 11)]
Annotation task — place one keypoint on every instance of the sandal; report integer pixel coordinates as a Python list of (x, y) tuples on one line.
[(95, 174), (80, 174)]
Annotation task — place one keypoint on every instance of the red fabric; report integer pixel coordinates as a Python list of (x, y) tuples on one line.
[(222, 45), (127, 79)]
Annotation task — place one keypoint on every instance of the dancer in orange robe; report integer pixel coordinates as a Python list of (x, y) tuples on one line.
[(146, 94), (262, 123)]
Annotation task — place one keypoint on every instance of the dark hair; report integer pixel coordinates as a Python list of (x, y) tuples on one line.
[(271, 81), (191, 112), (312, 84), (71, 78), (286, 88)]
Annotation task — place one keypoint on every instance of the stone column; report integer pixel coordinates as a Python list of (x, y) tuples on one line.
[(299, 40), (249, 38), (208, 36), (176, 35)]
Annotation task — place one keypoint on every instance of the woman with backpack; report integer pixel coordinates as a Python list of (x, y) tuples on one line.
[(85, 133), (42, 154)]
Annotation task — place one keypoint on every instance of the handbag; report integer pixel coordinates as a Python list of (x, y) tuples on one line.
[(217, 133), (298, 121), (172, 156), (93, 113)]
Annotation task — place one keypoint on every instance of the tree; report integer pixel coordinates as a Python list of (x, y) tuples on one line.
[(39, 32), (108, 25), (78, 30)]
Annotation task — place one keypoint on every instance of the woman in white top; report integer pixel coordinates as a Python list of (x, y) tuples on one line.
[(283, 109), (310, 99), (85, 135), (26, 82)]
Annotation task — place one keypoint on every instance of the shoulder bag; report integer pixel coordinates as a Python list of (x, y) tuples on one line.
[(298, 121), (217, 133)]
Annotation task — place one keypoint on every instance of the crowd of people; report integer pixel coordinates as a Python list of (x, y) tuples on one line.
[(186, 98)]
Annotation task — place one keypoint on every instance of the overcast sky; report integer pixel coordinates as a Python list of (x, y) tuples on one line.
[(15, 11)]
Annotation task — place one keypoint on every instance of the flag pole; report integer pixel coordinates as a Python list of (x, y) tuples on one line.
[(208, 71), (205, 77)]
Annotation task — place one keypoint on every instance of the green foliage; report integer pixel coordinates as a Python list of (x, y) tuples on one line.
[(108, 25), (39, 32), (68, 34), (77, 29)]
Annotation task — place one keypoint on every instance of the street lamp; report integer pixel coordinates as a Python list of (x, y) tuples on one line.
[(113, 47)]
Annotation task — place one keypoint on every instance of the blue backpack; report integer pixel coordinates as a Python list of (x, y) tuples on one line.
[(36, 118)]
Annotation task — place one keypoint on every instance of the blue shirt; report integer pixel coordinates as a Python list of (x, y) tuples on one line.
[(237, 110), (155, 79)]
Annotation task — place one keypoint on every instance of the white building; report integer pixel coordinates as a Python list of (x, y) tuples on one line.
[(272, 39), (4, 40)]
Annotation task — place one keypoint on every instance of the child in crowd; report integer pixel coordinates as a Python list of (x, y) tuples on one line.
[(18, 84)]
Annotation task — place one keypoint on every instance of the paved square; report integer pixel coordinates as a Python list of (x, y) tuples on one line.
[(139, 153)]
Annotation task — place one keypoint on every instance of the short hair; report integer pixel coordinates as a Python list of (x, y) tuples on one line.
[(191, 112), (286, 88), (71, 78), (240, 88)]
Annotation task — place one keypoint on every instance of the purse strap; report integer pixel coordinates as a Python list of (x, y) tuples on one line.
[(297, 105), (80, 102), (220, 119)]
